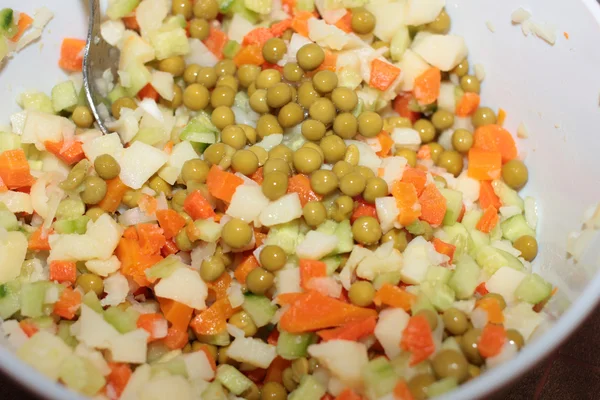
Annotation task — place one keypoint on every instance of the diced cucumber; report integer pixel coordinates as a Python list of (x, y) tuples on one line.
[(81, 375), (327, 227), (156, 350), (169, 42), (139, 76), (45, 352), (417, 228), (258, 6), (200, 131), (492, 259), (402, 367), (454, 204), (176, 21), (8, 220), (214, 391), (478, 240), (260, 309), (309, 389), (293, 345), (440, 387), (174, 366), (458, 236), (392, 278), (71, 226), (32, 298), (332, 263), (115, 94), (507, 196), (471, 218), (287, 236), (9, 141), (400, 42), (379, 377), (36, 101), (533, 289), (232, 379), (465, 278), (422, 303), (515, 227), (120, 8), (10, 299), (122, 320), (239, 7), (150, 135), (440, 294), (219, 339), (64, 96), (208, 230), (8, 27), (43, 322), (164, 268), (436, 273), (496, 233), (306, 5), (343, 231), (231, 48), (451, 343), (91, 300), (64, 332)]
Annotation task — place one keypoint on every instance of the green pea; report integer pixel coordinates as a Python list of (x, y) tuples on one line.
[(94, 190)]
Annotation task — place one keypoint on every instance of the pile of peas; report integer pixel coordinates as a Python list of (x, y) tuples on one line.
[(301, 94)]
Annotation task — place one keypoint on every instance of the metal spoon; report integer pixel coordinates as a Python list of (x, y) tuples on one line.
[(99, 56)]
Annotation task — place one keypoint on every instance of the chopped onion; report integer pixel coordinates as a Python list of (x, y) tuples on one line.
[(479, 318), (479, 72), (520, 15), (522, 131)]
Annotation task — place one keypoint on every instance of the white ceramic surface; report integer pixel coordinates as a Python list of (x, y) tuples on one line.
[(554, 90)]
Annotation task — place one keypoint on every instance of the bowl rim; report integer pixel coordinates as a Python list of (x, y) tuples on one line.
[(33, 381)]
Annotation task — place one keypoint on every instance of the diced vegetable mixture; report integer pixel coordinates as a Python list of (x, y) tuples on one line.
[(298, 199)]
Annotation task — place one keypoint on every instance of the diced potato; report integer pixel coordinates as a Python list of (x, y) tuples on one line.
[(140, 161), (45, 352), (441, 51), (419, 12), (343, 358), (389, 16), (389, 328), (185, 286), (412, 65)]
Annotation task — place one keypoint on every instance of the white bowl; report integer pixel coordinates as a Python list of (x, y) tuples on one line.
[(553, 90)]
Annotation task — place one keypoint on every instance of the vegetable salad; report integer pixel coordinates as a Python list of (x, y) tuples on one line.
[(298, 199)]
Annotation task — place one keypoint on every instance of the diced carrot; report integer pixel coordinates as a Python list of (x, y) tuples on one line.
[(256, 375), (383, 74), (222, 184), (424, 152), (209, 356), (133, 261), (488, 220), (444, 248), (345, 23), (63, 271), (487, 196), (402, 392), (484, 165), (481, 289), (115, 190), (148, 323), (273, 337), (23, 23), (71, 54), (14, 169), (468, 104), (151, 238), (288, 298), (259, 238), (257, 176), (348, 394), (417, 339), (407, 202), (28, 327), (327, 396), (38, 241), (314, 311), (416, 177), (354, 330), (220, 286), (278, 28), (394, 296), (300, 22), (131, 233), (491, 340), (176, 339), (427, 86), (168, 148), (148, 204), (495, 138), (169, 248), (178, 314), (257, 36), (540, 306), (493, 309), (251, 54), (247, 265), (197, 206), (216, 41), (170, 221), (329, 62), (300, 184), (501, 116), (275, 370), (363, 209), (68, 303), (131, 22), (3, 187), (401, 106), (433, 205), (213, 320), (71, 154), (118, 377), (289, 6), (310, 269), (386, 143), (148, 92)]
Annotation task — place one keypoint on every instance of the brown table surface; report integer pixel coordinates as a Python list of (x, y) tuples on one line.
[(570, 373)]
